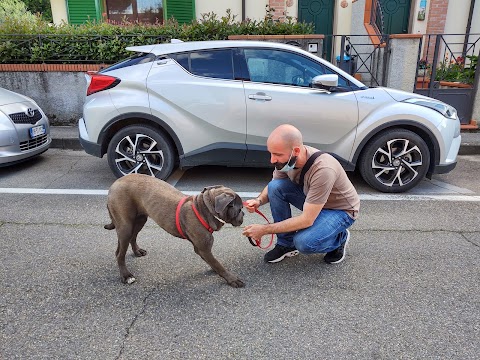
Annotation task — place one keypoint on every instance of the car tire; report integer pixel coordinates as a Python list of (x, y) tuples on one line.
[(141, 149), (395, 161)]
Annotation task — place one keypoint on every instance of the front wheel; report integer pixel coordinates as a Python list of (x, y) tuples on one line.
[(395, 161), (140, 149)]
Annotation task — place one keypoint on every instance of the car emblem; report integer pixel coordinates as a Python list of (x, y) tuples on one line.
[(30, 112)]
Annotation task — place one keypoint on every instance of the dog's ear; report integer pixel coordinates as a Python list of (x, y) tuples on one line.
[(222, 201), (211, 187)]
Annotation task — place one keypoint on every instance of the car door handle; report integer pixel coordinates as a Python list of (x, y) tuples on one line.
[(260, 96)]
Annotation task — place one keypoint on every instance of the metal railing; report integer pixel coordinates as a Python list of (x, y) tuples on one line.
[(447, 57), (70, 49), (360, 58), (376, 17)]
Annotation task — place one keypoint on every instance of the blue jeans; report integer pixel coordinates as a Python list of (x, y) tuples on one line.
[(326, 234)]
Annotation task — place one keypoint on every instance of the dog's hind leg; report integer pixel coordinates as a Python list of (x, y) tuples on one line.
[(139, 223), (124, 235)]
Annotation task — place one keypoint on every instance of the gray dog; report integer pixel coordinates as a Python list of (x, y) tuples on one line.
[(133, 198)]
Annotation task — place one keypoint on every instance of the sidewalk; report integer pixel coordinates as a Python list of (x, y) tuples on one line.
[(66, 137)]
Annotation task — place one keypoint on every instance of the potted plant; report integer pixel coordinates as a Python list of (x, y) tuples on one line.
[(456, 74)]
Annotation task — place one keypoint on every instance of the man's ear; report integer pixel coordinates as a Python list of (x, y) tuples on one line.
[(297, 150), (222, 201)]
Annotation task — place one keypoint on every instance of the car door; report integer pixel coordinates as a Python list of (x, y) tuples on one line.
[(278, 91), (197, 93)]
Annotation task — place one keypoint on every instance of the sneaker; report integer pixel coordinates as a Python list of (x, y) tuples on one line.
[(338, 255), (279, 252)]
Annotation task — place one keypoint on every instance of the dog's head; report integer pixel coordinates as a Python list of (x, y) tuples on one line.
[(224, 203)]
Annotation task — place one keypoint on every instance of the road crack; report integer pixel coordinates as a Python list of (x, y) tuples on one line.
[(468, 240), (134, 320)]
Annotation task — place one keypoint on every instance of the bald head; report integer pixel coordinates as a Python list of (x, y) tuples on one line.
[(287, 136)]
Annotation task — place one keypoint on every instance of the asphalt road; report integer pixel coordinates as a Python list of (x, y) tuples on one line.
[(409, 288)]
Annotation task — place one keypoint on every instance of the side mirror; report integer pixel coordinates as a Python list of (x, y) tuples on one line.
[(326, 82)]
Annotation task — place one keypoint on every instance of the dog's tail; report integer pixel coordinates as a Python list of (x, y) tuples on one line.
[(110, 226)]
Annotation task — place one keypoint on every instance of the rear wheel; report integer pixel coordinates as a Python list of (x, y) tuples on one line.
[(395, 161), (140, 149)]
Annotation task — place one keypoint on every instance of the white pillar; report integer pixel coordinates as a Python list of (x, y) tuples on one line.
[(59, 11)]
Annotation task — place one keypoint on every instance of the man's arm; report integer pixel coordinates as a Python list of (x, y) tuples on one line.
[(302, 221)]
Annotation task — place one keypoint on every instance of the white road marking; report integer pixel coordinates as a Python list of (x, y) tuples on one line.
[(250, 195)]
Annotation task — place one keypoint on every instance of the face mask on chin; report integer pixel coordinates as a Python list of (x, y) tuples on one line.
[(287, 166)]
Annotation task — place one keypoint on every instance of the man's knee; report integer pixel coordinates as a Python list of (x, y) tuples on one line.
[(274, 186)]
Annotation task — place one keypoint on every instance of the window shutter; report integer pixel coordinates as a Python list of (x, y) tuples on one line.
[(182, 10), (79, 11)]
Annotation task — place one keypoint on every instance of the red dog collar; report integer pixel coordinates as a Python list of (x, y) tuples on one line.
[(197, 214)]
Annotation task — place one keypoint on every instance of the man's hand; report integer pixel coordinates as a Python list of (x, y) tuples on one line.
[(252, 205), (254, 231)]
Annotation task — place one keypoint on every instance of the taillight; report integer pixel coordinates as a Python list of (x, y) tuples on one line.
[(100, 82)]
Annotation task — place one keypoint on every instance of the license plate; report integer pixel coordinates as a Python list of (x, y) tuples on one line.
[(37, 131)]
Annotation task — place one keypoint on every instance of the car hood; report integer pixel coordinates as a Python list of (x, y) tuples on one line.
[(10, 97), (399, 95)]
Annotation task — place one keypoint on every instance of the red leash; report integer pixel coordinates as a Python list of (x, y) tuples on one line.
[(256, 242)]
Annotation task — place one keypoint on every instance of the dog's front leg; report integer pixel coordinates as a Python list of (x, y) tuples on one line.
[(232, 279)]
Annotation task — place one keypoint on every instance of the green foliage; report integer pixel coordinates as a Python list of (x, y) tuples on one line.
[(41, 7), (106, 42), (15, 10), (456, 71)]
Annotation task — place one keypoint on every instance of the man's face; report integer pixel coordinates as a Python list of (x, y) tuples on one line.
[(281, 155)]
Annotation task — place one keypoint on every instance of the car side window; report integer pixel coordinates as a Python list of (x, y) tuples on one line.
[(209, 63), (281, 67)]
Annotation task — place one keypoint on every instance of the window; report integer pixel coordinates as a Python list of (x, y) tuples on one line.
[(211, 63), (138, 58), (147, 11), (283, 67)]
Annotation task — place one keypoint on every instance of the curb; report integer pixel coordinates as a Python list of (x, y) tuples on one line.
[(66, 144)]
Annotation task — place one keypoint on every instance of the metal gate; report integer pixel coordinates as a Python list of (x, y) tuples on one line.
[(447, 70)]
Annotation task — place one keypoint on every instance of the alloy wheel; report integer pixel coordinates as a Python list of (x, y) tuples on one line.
[(139, 154), (396, 162)]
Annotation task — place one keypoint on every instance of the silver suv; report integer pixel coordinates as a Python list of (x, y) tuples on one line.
[(215, 103)]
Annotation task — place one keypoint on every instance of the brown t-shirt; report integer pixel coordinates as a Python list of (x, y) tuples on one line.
[(325, 183)]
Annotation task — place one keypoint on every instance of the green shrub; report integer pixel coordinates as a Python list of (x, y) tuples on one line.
[(15, 10), (106, 42)]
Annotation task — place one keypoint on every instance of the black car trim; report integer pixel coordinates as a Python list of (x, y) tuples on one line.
[(223, 153), (136, 119), (408, 125), (91, 148), (443, 169)]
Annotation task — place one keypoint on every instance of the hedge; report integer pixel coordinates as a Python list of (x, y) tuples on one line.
[(105, 42)]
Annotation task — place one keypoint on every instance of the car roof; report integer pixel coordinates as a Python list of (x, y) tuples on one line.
[(168, 48)]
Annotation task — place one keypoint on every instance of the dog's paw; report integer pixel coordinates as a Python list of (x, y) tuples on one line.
[(129, 280), (140, 252), (237, 283)]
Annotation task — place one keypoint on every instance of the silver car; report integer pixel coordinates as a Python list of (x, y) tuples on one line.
[(24, 128), (215, 102)]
